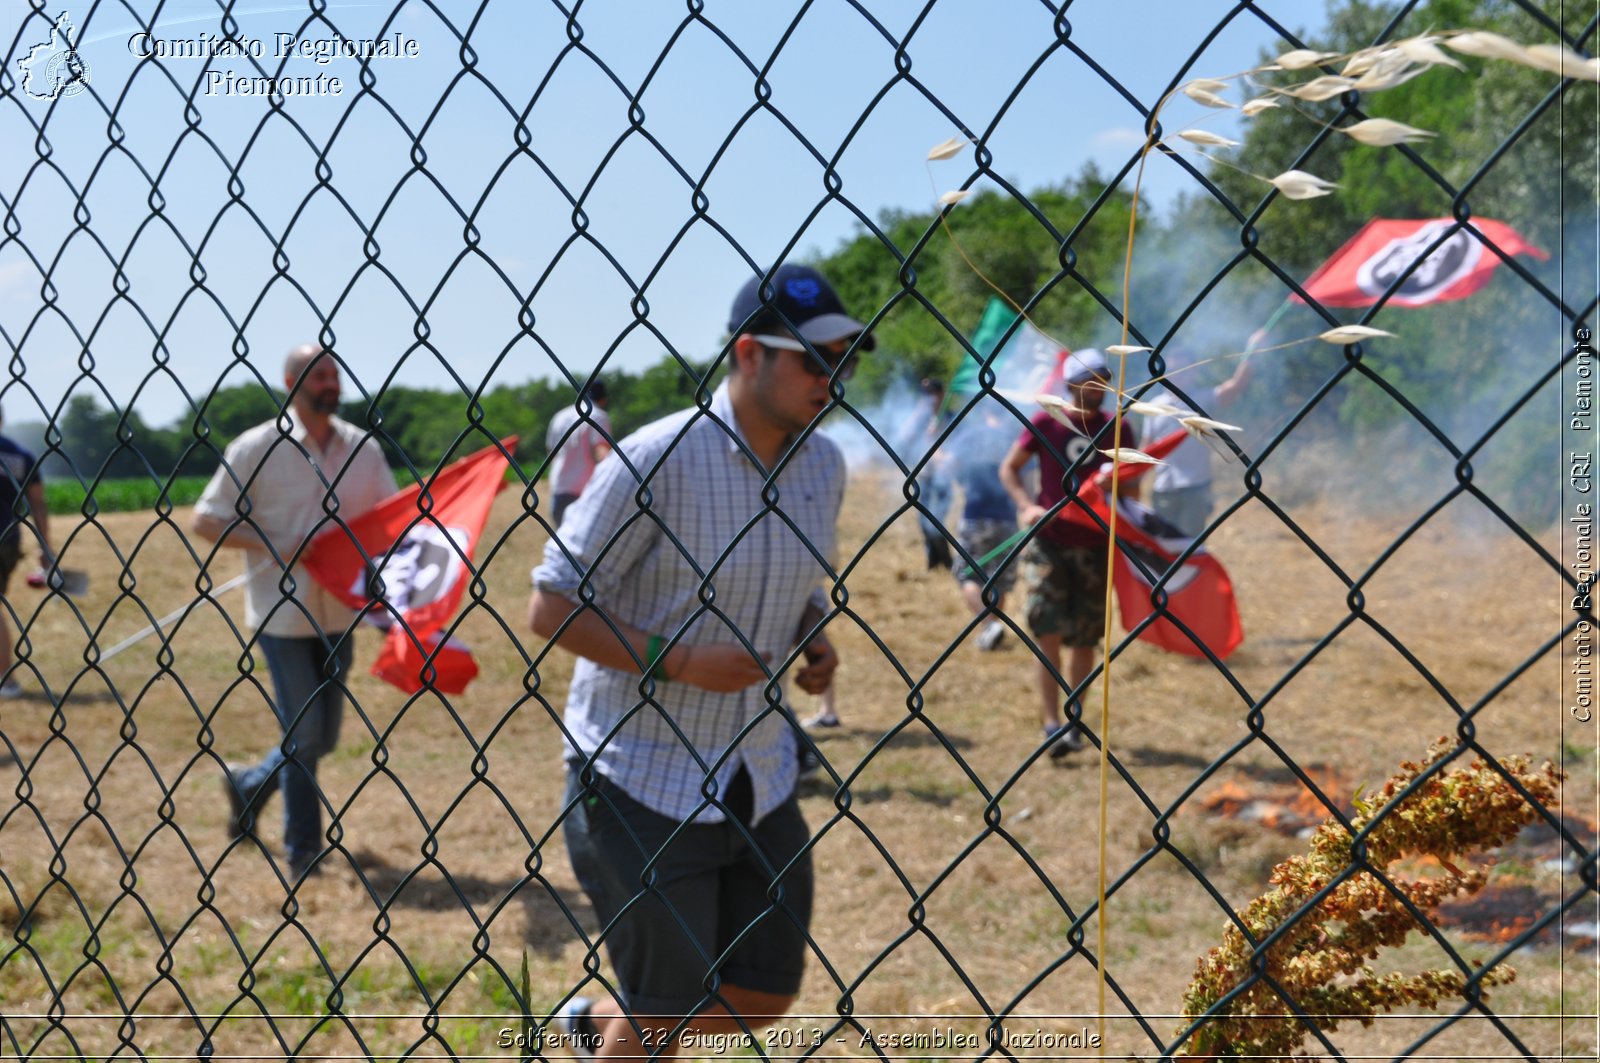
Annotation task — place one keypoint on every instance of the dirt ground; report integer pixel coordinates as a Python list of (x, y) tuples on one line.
[(952, 858)]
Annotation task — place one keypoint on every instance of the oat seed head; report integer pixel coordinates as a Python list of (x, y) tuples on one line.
[(1484, 45), (1382, 132), (1207, 98), (1352, 334), (1388, 73), (947, 150), (1129, 456), (1560, 60), (1212, 140), (1201, 426), (1059, 416), (1363, 61), (1300, 58), (1297, 184), (1425, 50), (1156, 409), (1318, 89)]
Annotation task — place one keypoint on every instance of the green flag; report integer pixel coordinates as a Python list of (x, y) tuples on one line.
[(1024, 364)]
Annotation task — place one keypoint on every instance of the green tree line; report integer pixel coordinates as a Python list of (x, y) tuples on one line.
[(419, 428), (1059, 252)]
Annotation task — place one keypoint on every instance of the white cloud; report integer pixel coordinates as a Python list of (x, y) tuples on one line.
[(1124, 137), (17, 275)]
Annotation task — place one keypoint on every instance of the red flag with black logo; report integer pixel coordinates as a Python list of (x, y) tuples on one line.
[(420, 544), (1454, 262), (1198, 610)]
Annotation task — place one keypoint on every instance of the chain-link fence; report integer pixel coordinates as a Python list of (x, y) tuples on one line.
[(483, 209)]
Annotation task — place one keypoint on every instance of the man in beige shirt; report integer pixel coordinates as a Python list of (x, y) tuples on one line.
[(276, 488)]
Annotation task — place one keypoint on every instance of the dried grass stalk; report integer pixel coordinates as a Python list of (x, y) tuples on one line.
[(1323, 946)]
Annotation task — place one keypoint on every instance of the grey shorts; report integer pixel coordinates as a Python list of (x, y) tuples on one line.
[(978, 538), (668, 926)]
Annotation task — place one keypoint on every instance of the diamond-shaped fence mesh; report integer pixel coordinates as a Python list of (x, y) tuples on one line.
[(483, 209)]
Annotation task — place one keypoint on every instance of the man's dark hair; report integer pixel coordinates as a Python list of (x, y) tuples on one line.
[(596, 392)]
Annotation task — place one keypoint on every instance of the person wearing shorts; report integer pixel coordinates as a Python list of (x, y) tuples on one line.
[(682, 818), (988, 516), (1064, 566)]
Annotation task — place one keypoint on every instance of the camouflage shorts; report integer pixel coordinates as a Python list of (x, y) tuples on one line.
[(1066, 591), (979, 538)]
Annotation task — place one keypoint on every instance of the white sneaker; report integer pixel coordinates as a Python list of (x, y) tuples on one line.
[(991, 636), (10, 689), (1065, 741)]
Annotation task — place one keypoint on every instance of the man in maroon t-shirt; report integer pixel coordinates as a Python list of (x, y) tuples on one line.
[(1064, 566)]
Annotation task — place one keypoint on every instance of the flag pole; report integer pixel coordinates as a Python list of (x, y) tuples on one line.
[(236, 581), (1277, 314)]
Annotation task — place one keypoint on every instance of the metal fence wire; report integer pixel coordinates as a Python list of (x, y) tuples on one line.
[(170, 228)]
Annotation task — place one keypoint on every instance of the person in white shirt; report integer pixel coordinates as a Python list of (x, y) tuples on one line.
[(1180, 489), (577, 441), (280, 483)]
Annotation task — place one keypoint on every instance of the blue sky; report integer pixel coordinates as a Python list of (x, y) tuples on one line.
[(763, 192)]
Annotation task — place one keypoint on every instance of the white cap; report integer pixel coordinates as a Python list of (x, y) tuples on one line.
[(1083, 364)]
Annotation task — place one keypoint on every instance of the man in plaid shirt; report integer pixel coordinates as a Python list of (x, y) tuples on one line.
[(682, 820)]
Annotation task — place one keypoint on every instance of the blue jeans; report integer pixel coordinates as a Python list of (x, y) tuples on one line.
[(308, 677)]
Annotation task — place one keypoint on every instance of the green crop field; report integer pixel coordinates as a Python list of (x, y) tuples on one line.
[(121, 496), (133, 495)]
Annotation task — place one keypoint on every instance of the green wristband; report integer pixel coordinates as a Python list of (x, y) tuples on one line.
[(654, 665)]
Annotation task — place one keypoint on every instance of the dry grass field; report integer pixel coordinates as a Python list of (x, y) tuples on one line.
[(943, 860)]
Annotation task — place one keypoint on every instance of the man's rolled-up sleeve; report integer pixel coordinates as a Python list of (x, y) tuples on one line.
[(603, 537), (220, 499)]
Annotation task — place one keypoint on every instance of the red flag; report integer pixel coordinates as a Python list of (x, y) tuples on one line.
[(419, 545), (404, 663), (1368, 265), (1199, 596)]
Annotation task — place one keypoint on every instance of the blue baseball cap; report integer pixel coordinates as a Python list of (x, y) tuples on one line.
[(798, 299)]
